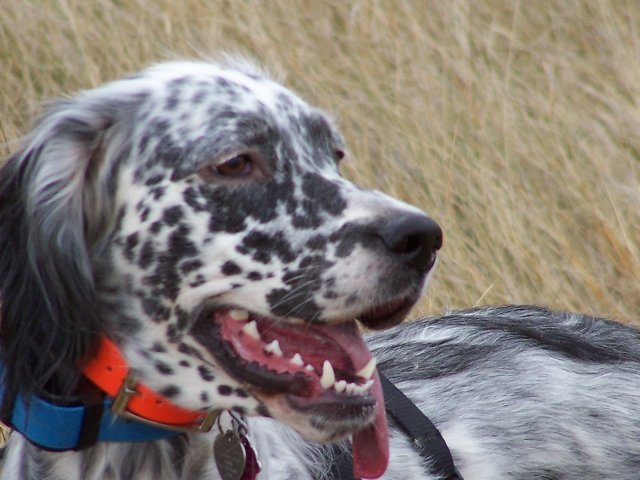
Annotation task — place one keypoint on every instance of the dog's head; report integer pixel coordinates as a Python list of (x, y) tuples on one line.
[(195, 215)]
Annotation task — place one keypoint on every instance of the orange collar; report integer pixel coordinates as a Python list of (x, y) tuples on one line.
[(109, 371)]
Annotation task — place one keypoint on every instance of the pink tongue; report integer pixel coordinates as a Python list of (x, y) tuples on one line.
[(371, 445)]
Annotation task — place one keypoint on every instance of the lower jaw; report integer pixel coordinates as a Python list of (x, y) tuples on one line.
[(318, 420), (331, 408)]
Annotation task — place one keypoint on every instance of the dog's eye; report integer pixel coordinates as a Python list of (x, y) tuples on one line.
[(339, 154), (238, 166)]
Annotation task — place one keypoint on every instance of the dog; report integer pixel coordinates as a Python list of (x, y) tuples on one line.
[(185, 233), (187, 230)]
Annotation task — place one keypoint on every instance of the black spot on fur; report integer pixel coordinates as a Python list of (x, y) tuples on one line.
[(154, 180), (183, 318), (204, 397), (255, 276), (130, 243), (158, 348), (156, 227), (263, 246), (147, 254), (317, 242), (155, 310), (170, 391), (145, 214), (242, 393), (172, 215), (165, 277), (310, 219), (158, 192), (189, 350), (230, 268), (205, 373), (193, 199), (326, 195), (163, 368), (225, 390), (173, 334), (179, 243), (226, 219), (352, 234)]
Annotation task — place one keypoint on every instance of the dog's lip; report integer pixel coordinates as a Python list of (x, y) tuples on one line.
[(388, 314)]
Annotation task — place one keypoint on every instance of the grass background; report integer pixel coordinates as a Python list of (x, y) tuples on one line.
[(514, 124)]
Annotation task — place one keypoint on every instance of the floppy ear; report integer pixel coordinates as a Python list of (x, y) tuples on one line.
[(49, 317)]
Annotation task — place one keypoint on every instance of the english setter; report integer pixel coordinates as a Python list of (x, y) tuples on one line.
[(180, 243)]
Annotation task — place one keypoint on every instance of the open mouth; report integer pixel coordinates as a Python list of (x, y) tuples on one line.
[(321, 370)]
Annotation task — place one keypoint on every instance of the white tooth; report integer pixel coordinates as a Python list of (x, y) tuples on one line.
[(309, 368), (328, 377), (251, 329), (367, 370), (350, 388), (297, 360), (238, 314), (340, 386), (274, 347), (366, 386)]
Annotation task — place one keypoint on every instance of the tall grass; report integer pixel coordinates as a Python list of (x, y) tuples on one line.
[(513, 124)]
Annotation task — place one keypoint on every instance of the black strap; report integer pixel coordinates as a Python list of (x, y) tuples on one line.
[(93, 401), (424, 435)]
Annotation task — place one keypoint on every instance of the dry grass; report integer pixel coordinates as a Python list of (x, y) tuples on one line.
[(514, 124)]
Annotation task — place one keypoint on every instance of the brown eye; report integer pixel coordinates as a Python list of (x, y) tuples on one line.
[(237, 166)]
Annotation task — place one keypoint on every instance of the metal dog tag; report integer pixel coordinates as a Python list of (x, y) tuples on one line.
[(230, 455)]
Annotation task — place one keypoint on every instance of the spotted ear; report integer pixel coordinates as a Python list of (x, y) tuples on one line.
[(49, 314)]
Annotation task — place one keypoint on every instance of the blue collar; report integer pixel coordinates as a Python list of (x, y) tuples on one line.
[(73, 427)]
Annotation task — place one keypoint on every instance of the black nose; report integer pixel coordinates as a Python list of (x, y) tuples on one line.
[(413, 237)]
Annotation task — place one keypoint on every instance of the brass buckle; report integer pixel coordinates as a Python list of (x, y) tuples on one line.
[(128, 390)]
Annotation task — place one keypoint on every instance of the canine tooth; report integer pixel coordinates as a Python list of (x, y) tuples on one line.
[(297, 360), (274, 347), (340, 386), (251, 329), (366, 386), (309, 368), (367, 370), (238, 314), (328, 377)]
